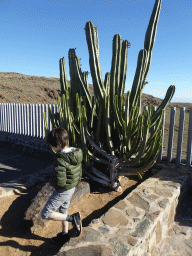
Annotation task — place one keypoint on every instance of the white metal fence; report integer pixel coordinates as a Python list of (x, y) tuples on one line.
[(27, 119)]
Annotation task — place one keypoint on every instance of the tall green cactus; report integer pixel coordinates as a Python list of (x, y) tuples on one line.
[(108, 128)]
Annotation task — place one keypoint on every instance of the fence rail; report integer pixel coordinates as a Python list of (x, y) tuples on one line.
[(27, 119)]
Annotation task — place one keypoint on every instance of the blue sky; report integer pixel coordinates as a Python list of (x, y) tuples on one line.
[(36, 34)]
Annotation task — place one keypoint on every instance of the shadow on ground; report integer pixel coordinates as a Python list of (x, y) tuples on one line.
[(184, 209)]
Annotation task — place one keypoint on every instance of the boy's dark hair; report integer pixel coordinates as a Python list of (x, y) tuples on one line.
[(58, 137)]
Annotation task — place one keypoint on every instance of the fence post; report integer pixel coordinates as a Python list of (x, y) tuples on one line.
[(43, 125), (39, 120), (50, 124), (171, 134), (22, 119), (189, 142), (47, 115), (180, 135), (36, 123), (161, 150), (27, 120), (6, 117), (17, 118)]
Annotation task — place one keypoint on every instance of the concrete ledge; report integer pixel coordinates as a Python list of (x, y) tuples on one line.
[(138, 224)]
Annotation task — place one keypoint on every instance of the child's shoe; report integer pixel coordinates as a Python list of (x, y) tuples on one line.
[(76, 222), (60, 239)]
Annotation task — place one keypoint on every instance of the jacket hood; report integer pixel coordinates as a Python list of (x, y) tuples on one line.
[(73, 157)]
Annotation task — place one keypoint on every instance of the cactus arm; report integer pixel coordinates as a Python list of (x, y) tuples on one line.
[(92, 112), (138, 76), (100, 174), (73, 136), (152, 26), (92, 42), (126, 118), (117, 112), (63, 76), (107, 82), (150, 36), (78, 108), (143, 145), (164, 103), (98, 130), (104, 182), (114, 80), (97, 159), (158, 124), (45, 124), (61, 117), (82, 130), (143, 168), (51, 117), (124, 54), (107, 125), (92, 142), (150, 153)]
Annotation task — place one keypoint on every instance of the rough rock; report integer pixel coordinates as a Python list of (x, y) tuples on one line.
[(34, 211), (91, 250)]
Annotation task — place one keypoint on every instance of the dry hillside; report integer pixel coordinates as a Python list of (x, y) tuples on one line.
[(19, 88)]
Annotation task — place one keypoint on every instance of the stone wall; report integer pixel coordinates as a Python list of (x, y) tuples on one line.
[(138, 224), (27, 142)]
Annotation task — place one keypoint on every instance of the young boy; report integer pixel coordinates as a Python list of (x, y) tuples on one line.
[(67, 173)]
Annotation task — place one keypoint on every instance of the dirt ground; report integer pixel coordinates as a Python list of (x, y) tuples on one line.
[(16, 237)]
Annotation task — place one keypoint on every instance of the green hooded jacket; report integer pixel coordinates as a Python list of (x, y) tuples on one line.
[(67, 169)]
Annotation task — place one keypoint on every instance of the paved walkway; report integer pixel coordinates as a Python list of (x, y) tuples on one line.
[(180, 240), (18, 169)]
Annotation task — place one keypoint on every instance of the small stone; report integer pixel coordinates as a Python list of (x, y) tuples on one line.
[(104, 230), (179, 230), (132, 212), (154, 197), (95, 221), (122, 231), (120, 205), (136, 219), (171, 215), (114, 239), (92, 235), (158, 232), (141, 228), (163, 203), (153, 215), (137, 201), (91, 250), (154, 251), (131, 240), (121, 249), (88, 235), (114, 217), (163, 192)]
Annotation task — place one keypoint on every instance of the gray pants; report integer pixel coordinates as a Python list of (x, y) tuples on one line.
[(57, 200)]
